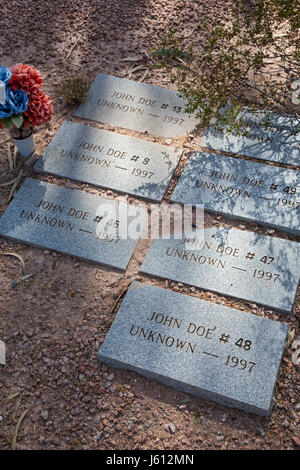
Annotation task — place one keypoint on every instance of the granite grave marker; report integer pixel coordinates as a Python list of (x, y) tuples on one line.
[(279, 142), (63, 219), (138, 106), (233, 262), (110, 160), (215, 352), (243, 189)]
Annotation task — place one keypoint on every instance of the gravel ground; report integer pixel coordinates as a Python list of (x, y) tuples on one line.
[(54, 322)]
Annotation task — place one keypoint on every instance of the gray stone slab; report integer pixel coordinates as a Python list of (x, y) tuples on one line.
[(243, 189), (233, 262), (63, 219), (279, 143), (138, 106), (110, 160), (215, 352)]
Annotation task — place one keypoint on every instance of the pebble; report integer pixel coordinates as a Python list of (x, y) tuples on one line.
[(293, 428), (170, 427), (262, 432), (38, 262), (45, 414), (296, 441)]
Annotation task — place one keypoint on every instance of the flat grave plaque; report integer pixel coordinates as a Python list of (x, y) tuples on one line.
[(241, 188), (63, 219), (110, 160), (233, 262), (215, 352), (138, 106), (278, 143)]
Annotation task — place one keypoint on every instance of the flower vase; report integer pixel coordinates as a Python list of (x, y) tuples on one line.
[(23, 140)]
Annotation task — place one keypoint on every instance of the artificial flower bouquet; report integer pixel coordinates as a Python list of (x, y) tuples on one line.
[(23, 104)]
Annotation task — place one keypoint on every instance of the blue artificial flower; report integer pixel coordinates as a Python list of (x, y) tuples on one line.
[(16, 103), (5, 74)]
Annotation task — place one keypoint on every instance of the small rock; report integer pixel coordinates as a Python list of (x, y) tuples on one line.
[(285, 423), (293, 428), (38, 262), (170, 427), (296, 441), (2, 353), (45, 414)]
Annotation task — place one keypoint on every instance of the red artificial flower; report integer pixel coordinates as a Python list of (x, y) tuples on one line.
[(39, 111), (26, 78)]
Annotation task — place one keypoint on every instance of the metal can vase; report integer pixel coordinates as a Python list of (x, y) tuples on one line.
[(25, 145)]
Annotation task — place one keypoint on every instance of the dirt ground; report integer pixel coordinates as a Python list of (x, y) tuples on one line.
[(54, 322)]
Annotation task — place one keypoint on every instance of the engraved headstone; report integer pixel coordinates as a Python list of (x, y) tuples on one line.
[(243, 189), (215, 352), (279, 142), (110, 160), (233, 262), (138, 106), (66, 220)]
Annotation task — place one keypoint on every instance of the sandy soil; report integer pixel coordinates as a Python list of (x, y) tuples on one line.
[(54, 322)]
